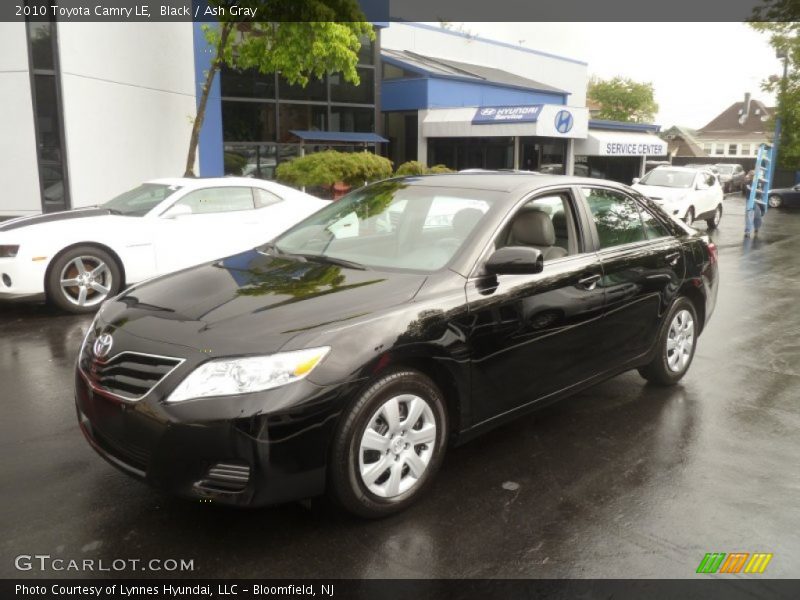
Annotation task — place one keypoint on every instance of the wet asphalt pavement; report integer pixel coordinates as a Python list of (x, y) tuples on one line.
[(624, 480)]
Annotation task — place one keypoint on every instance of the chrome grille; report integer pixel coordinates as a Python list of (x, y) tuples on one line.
[(127, 375)]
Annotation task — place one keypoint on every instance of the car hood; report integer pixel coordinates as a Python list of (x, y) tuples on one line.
[(253, 303), (657, 192), (50, 218)]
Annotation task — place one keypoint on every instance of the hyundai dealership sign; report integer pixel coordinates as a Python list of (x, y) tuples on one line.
[(504, 114)]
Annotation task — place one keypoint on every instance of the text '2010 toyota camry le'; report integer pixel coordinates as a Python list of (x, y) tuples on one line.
[(345, 355)]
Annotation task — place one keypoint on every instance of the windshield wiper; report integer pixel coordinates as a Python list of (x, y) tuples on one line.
[(332, 260)]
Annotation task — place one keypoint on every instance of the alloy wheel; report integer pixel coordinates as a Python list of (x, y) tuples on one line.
[(397, 445), (717, 216), (774, 201), (680, 341), (86, 281)]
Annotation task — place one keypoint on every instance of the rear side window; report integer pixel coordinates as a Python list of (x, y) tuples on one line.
[(265, 198), (218, 200), (653, 227), (616, 217)]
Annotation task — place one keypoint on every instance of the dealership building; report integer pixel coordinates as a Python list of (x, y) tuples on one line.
[(94, 109)]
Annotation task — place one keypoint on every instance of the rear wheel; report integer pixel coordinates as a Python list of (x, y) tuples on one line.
[(774, 201), (676, 345), (689, 218), (389, 445), (713, 222), (82, 278)]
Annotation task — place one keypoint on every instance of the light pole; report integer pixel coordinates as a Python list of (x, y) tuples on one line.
[(777, 136)]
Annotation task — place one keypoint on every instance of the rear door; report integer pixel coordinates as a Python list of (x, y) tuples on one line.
[(643, 266)]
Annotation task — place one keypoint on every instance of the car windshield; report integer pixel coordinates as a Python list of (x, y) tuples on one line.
[(391, 224), (725, 169), (668, 178), (140, 200)]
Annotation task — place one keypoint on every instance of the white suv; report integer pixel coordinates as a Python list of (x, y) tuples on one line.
[(688, 194)]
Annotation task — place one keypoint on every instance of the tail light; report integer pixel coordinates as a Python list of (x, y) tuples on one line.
[(712, 253)]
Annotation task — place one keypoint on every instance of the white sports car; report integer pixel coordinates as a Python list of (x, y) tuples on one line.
[(78, 258)]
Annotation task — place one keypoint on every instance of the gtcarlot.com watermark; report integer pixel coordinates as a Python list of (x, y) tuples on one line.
[(48, 563)]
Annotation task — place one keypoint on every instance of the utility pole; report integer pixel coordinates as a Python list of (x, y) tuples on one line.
[(777, 136)]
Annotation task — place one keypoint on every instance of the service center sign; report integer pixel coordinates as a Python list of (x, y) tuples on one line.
[(634, 149), (485, 115)]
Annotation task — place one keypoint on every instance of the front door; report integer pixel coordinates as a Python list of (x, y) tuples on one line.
[(534, 335)]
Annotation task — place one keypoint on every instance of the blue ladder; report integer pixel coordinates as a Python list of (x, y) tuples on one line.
[(762, 182)]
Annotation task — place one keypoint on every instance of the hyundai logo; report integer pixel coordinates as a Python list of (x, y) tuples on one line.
[(488, 112), (102, 345), (564, 121)]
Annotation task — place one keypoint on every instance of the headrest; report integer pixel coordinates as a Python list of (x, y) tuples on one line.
[(534, 228), (560, 221), (465, 220)]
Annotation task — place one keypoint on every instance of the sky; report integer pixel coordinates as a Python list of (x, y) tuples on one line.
[(697, 69)]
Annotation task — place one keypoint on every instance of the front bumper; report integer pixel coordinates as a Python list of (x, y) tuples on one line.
[(26, 278), (273, 445)]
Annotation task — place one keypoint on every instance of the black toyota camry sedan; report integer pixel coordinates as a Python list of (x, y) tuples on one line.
[(346, 355)]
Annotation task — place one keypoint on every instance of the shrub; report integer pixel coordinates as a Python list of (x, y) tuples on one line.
[(328, 167), (414, 167)]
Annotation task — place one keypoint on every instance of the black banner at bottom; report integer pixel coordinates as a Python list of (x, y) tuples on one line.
[(405, 589)]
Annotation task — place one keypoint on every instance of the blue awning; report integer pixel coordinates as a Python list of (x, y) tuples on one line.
[(339, 136)]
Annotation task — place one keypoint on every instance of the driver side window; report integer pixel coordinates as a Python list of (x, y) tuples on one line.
[(545, 223)]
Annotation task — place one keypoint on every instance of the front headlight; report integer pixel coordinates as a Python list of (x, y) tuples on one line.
[(8, 251), (229, 376)]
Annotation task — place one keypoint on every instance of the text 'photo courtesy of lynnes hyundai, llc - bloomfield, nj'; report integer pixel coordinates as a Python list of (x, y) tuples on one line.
[(326, 299)]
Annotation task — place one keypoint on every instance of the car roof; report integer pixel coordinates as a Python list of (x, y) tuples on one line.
[(683, 169), (199, 182), (503, 181)]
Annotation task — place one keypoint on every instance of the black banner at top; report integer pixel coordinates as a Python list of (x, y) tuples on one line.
[(385, 11)]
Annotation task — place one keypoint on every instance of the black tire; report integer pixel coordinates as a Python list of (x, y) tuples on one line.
[(346, 485), (713, 222), (689, 217), (658, 371), (775, 201), (68, 298)]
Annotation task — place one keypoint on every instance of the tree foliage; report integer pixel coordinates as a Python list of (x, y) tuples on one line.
[(300, 40), (329, 167), (784, 36), (622, 99)]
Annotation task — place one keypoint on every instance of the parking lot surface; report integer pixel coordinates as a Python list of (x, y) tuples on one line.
[(624, 480)]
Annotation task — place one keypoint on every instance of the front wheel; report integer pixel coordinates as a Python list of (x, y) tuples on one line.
[(389, 445), (713, 222), (774, 201), (676, 345), (82, 278)]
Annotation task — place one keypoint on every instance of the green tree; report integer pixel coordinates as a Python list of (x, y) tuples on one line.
[(622, 99), (784, 36), (298, 39)]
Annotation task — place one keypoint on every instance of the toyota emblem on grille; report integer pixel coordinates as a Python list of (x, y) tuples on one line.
[(102, 345)]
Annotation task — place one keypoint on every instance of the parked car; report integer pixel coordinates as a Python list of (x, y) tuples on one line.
[(78, 258), (731, 177), (712, 168), (318, 363), (686, 193), (784, 197)]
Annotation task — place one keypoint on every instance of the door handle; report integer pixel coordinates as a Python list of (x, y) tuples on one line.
[(673, 258), (589, 283)]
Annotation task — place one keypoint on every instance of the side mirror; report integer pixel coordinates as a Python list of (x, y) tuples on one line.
[(515, 260), (176, 210), (635, 180), (797, 187)]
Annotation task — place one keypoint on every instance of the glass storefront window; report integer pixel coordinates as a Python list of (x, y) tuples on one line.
[(366, 53), (344, 91), (248, 121), (347, 118), (304, 117), (257, 160), (247, 84), (315, 90)]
